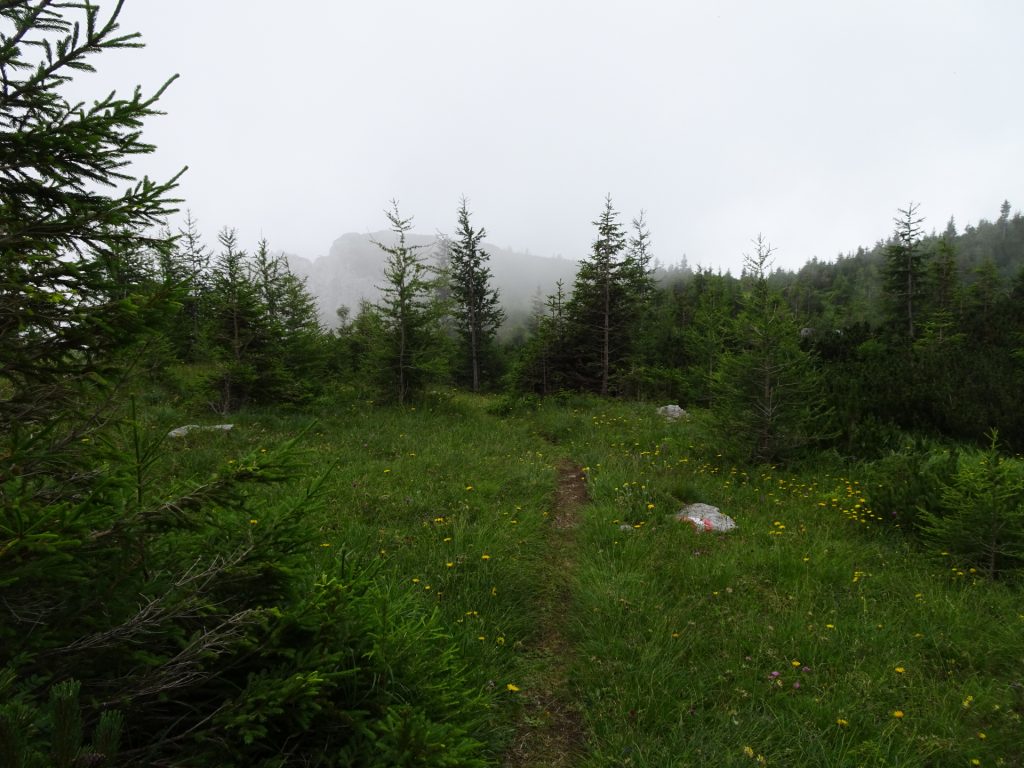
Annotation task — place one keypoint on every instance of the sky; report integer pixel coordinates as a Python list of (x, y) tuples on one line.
[(809, 122)]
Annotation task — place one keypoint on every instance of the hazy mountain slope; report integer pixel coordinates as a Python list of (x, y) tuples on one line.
[(354, 268)]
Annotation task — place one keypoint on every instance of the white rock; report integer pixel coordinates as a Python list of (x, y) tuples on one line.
[(184, 430), (704, 517), (673, 412)]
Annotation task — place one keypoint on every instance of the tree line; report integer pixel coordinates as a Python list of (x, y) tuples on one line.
[(909, 335), (915, 340)]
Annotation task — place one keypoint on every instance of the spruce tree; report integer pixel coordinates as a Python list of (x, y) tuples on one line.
[(638, 375), (63, 226), (185, 268), (713, 301), (74, 307), (641, 259), (543, 365), (238, 319), (295, 350), (904, 271), (941, 359), (357, 350), (1004, 219), (602, 308), (409, 311), (768, 398), (75, 519), (263, 332), (474, 301), (943, 292)]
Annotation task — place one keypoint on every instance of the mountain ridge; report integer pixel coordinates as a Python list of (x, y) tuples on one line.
[(353, 271)]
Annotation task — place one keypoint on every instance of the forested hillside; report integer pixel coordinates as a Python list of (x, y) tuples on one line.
[(411, 541)]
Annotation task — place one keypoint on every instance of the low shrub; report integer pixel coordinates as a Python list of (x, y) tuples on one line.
[(979, 519), (899, 486)]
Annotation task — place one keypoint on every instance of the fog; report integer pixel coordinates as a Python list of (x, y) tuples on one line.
[(808, 122)]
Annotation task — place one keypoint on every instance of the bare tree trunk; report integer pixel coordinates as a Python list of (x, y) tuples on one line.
[(605, 352), (476, 362), (473, 352), (401, 364)]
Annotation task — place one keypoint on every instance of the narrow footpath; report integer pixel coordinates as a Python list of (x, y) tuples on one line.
[(550, 732)]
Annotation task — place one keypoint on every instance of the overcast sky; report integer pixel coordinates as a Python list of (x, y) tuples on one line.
[(808, 121)]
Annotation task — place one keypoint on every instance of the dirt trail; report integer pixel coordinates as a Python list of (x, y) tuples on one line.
[(550, 732)]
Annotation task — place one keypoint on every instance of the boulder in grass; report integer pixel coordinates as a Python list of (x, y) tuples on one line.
[(704, 517), (186, 429), (673, 412)]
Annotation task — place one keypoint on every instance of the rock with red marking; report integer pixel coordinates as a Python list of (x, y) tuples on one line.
[(704, 517)]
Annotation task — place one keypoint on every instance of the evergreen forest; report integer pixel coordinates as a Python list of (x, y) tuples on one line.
[(230, 536)]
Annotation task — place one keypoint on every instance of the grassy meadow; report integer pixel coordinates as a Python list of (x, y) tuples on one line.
[(813, 635)]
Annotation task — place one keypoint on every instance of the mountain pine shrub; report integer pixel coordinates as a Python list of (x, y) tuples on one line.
[(980, 518)]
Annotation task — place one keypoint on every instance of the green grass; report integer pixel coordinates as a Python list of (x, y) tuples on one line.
[(793, 641), (798, 636)]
